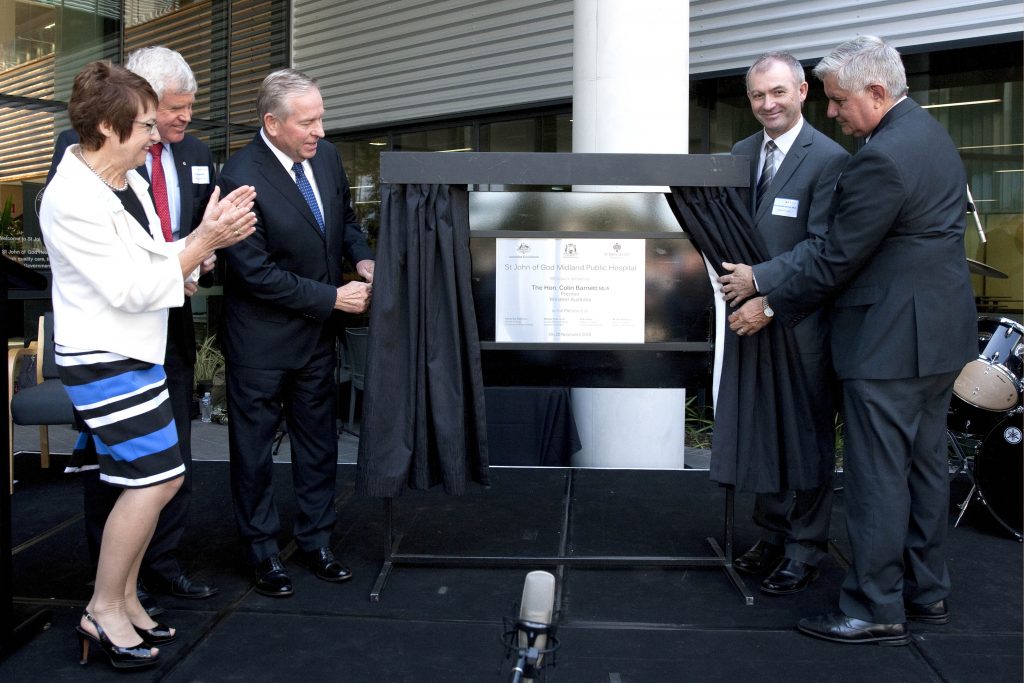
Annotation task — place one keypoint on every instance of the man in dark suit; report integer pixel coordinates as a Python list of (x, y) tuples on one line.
[(793, 169), (187, 169), (903, 327), (282, 290)]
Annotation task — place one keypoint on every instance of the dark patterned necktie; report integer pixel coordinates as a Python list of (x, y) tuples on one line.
[(767, 171), (307, 193)]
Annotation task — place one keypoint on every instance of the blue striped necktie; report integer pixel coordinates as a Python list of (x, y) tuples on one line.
[(307, 193), (767, 171)]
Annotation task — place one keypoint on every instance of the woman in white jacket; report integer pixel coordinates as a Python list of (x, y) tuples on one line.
[(114, 277)]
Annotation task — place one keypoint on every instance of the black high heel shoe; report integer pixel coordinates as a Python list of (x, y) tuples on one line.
[(160, 634), (133, 657)]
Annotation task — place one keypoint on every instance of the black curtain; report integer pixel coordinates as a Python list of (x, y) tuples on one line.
[(763, 412), (424, 420)]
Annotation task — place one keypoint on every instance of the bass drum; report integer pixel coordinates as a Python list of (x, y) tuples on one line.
[(998, 473), (991, 385)]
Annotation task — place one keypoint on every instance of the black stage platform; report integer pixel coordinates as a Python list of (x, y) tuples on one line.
[(445, 624)]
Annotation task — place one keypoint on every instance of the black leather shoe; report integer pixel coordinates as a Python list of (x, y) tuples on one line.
[(840, 628), (324, 565), (759, 559), (272, 579), (181, 586), (148, 603), (791, 576), (933, 613)]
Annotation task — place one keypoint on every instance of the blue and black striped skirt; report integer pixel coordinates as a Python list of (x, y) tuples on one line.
[(125, 414)]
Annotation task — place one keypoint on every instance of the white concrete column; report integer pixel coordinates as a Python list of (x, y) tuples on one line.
[(631, 95), (631, 66)]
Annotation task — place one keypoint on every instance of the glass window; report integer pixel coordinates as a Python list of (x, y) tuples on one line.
[(44, 44), (549, 133), (976, 94), (453, 139), (361, 158)]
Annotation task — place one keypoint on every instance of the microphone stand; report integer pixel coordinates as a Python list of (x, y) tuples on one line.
[(974, 212), (528, 663)]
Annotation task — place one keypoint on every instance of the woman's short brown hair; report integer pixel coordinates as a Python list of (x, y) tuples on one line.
[(106, 93)]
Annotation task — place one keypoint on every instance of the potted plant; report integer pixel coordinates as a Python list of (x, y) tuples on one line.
[(209, 366)]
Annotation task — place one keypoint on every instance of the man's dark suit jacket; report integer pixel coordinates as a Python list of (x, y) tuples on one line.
[(282, 281), (808, 175), (895, 255), (189, 153)]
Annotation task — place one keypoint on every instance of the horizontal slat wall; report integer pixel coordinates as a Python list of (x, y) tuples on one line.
[(257, 47), (726, 35), (188, 31), (400, 60), (381, 62), (26, 137)]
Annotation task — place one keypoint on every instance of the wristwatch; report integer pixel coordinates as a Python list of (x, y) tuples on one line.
[(768, 312)]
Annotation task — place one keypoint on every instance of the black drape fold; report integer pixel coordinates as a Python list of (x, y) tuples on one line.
[(424, 420), (763, 411)]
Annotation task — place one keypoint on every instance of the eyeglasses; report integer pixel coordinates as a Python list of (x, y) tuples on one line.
[(150, 126)]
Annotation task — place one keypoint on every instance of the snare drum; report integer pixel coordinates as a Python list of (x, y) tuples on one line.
[(998, 471), (991, 385)]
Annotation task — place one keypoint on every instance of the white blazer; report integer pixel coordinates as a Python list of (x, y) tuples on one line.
[(113, 279)]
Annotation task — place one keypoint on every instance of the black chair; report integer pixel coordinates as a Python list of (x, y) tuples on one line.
[(44, 404), (355, 339)]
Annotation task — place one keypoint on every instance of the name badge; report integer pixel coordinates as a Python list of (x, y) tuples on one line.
[(200, 175), (786, 207)]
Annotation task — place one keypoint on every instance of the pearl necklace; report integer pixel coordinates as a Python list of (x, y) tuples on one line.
[(124, 186)]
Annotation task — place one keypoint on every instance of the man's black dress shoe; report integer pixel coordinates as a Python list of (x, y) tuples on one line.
[(791, 576), (148, 603), (183, 587), (324, 565), (759, 559), (840, 628), (933, 613), (272, 579)]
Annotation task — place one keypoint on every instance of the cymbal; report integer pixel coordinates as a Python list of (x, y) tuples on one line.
[(985, 270)]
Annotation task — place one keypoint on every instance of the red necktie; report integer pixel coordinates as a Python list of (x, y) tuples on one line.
[(160, 192)]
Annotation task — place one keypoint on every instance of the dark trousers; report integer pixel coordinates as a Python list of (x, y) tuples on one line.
[(799, 520), (161, 556), (896, 494), (256, 398)]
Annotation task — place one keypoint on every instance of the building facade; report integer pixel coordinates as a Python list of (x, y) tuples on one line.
[(496, 75)]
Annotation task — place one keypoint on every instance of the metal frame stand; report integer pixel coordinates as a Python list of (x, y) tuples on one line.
[(720, 559), (644, 170), (963, 467)]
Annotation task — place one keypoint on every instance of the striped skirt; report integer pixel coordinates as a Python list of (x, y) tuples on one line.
[(129, 429)]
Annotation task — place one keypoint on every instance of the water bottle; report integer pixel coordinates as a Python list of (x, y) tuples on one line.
[(206, 408)]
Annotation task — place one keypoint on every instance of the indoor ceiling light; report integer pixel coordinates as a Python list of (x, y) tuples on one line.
[(959, 104), (1011, 144)]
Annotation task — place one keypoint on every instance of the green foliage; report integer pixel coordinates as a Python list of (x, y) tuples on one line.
[(700, 425), (209, 359), (10, 225)]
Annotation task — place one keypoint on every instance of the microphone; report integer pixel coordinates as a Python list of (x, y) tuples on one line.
[(533, 631)]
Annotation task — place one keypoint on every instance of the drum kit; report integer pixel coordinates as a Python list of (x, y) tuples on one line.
[(985, 425)]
